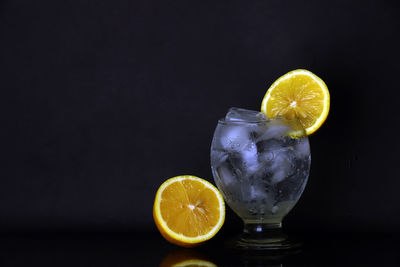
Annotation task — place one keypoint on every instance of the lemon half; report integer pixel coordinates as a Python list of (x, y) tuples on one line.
[(188, 210)]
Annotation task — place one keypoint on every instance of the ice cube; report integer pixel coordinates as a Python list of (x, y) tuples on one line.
[(269, 145), (258, 193), (225, 173), (281, 166), (302, 148), (267, 150), (244, 115), (250, 158), (234, 137), (226, 178), (218, 157), (274, 129), (279, 175), (266, 157), (260, 198)]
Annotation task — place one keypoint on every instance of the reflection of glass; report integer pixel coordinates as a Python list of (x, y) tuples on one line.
[(260, 258), (261, 170), (186, 257)]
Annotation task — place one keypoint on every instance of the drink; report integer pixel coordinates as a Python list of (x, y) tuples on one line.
[(259, 166)]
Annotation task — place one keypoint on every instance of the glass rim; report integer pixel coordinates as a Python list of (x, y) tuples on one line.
[(297, 128), (224, 121)]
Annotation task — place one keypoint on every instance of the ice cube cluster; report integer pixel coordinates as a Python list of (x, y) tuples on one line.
[(259, 167)]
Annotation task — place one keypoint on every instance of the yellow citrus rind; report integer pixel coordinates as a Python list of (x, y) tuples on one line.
[(280, 95), (178, 238)]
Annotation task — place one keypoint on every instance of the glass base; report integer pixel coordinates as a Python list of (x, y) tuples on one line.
[(258, 236)]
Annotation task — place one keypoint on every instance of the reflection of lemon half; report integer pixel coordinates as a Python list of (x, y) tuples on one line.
[(192, 263), (186, 257), (188, 210), (301, 95)]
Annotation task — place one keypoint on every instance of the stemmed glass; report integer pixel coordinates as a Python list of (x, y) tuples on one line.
[(261, 168)]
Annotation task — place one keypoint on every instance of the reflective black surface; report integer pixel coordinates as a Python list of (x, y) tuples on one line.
[(150, 249)]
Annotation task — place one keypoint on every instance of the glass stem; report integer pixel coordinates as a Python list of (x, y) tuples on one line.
[(263, 231)]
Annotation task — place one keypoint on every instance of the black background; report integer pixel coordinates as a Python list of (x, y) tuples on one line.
[(101, 101)]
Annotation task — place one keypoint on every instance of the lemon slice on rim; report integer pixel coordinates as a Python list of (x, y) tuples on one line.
[(188, 210), (301, 95)]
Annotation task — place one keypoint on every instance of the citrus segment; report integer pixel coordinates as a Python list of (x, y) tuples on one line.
[(301, 95), (188, 210)]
